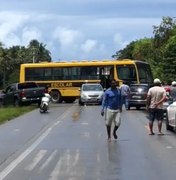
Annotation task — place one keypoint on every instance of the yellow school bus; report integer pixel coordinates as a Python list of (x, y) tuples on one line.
[(65, 78)]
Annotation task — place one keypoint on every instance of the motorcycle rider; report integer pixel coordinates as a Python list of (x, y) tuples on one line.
[(44, 106)]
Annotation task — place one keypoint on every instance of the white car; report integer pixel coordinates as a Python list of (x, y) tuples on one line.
[(91, 93), (171, 117)]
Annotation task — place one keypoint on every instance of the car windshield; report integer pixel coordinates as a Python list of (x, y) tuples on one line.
[(140, 88), (92, 88)]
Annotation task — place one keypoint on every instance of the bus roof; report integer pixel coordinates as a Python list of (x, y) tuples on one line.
[(81, 63)]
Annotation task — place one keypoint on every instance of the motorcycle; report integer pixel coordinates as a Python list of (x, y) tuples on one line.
[(45, 101)]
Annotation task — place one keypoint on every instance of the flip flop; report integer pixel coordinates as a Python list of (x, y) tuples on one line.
[(152, 133)]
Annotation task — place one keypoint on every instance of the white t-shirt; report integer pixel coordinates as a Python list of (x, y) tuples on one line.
[(156, 93), (125, 89)]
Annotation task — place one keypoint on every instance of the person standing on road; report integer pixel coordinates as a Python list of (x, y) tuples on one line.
[(173, 91), (125, 90), (111, 108), (155, 97)]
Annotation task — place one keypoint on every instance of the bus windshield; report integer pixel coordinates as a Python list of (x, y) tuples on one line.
[(127, 73), (144, 72)]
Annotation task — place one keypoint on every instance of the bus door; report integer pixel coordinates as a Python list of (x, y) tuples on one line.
[(106, 74)]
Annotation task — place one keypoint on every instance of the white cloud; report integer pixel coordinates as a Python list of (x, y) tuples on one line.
[(67, 36), (89, 45), (10, 24), (30, 33), (118, 40)]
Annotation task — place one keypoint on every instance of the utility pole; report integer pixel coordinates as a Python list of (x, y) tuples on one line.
[(33, 56)]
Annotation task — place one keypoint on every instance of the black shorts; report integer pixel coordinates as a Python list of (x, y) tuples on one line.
[(156, 114)]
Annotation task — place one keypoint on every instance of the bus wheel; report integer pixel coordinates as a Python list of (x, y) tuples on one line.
[(56, 97)]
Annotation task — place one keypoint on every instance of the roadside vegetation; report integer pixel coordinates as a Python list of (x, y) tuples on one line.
[(9, 113), (159, 51)]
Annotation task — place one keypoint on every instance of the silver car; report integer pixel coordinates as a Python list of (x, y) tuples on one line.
[(91, 93)]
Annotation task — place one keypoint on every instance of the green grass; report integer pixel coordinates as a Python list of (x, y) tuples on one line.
[(9, 113)]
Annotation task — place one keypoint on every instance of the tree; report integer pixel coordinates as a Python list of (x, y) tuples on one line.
[(164, 31), (162, 34), (169, 62), (143, 49), (38, 52)]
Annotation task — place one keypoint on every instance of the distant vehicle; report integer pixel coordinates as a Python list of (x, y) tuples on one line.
[(91, 93), (66, 77), (138, 96), (45, 101), (21, 93), (171, 117)]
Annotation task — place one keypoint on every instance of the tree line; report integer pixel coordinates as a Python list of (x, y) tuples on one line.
[(159, 51), (11, 58)]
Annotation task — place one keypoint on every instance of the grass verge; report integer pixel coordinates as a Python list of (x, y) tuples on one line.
[(8, 113)]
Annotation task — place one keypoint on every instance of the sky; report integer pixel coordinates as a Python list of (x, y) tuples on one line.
[(81, 29)]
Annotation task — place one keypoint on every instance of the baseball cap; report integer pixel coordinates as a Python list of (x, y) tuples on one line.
[(157, 81), (173, 83)]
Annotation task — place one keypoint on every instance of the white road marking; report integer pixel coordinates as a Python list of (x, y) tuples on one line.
[(36, 160), (84, 123), (68, 157), (76, 158), (22, 156), (169, 147), (48, 161), (55, 173)]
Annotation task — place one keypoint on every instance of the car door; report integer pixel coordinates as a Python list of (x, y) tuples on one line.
[(9, 95)]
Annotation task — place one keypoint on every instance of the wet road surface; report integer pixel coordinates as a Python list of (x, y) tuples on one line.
[(70, 143)]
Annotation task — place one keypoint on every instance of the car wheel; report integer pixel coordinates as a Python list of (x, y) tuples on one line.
[(81, 103), (138, 107), (17, 103), (128, 108), (1, 103), (168, 127)]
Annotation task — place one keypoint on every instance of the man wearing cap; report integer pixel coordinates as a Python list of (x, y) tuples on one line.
[(173, 91), (155, 97)]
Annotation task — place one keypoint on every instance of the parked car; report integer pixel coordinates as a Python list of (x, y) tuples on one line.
[(91, 93), (138, 96), (21, 93), (171, 117)]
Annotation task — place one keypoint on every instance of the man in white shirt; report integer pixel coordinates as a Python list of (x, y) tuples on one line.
[(125, 90), (155, 97)]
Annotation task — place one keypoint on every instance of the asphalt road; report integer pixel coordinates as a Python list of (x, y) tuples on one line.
[(70, 143)]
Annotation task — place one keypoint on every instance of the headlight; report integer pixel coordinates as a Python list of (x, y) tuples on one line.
[(83, 95)]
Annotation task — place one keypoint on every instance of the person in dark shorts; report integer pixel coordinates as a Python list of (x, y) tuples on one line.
[(155, 98)]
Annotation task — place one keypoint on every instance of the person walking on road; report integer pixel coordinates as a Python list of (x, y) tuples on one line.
[(155, 98), (111, 108), (125, 90)]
